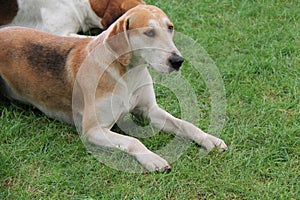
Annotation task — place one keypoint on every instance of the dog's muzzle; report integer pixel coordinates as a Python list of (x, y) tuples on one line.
[(175, 61)]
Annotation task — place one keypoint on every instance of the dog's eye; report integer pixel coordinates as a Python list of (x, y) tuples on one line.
[(150, 33), (170, 28)]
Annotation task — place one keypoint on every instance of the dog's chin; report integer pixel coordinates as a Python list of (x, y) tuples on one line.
[(164, 69)]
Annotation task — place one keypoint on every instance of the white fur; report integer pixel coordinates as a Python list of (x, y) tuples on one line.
[(134, 93), (60, 17)]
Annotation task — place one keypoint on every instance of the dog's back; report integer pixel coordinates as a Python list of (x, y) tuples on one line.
[(33, 68)]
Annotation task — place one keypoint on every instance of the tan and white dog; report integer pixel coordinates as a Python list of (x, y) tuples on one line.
[(63, 17), (41, 69)]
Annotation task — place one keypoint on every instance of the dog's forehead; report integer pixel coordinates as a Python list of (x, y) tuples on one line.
[(158, 22), (145, 16)]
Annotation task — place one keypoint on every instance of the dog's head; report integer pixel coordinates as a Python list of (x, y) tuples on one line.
[(145, 33)]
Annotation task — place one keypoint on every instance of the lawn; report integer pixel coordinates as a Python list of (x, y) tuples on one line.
[(255, 46)]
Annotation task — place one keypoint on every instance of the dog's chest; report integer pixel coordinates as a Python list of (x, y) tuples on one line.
[(124, 98), (115, 105)]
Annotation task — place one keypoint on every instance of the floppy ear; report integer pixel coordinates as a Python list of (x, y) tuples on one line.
[(128, 4), (116, 9), (117, 41), (111, 15)]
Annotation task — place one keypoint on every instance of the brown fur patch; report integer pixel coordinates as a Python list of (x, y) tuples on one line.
[(39, 67), (44, 59), (111, 10), (8, 10), (99, 6)]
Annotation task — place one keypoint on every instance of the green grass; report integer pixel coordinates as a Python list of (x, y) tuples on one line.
[(256, 46)]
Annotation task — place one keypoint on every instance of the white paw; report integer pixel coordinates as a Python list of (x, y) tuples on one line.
[(153, 162), (211, 142)]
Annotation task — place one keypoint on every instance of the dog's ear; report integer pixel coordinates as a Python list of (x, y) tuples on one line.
[(116, 9), (128, 4), (118, 42)]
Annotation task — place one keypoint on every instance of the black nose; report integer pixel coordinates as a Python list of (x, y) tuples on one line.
[(175, 61)]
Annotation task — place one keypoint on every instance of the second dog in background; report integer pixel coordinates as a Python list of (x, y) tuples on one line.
[(63, 17)]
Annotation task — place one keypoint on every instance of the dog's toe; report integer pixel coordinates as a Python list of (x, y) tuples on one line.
[(153, 162), (222, 146), (212, 142), (166, 169)]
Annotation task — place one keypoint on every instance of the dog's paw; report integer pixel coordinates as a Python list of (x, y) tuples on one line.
[(211, 142), (153, 162)]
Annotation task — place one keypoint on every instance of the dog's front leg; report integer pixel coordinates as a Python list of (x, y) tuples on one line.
[(165, 121), (105, 137)]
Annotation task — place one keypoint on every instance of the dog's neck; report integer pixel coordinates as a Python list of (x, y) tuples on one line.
[(136, 60)]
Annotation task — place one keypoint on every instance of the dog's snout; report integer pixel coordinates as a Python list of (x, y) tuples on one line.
[(175, 61)]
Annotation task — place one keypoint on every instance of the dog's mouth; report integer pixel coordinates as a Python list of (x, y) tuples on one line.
[(162, 68), (173, 63), (171, 69)]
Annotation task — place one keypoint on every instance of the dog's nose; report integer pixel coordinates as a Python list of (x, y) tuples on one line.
[(175, 61)]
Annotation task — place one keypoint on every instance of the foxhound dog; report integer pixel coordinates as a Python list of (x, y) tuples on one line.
[(41, 69), (63, 17)]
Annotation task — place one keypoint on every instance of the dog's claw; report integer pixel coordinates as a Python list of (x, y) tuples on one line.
[(166, 169), (222, 147), (212, 142)]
